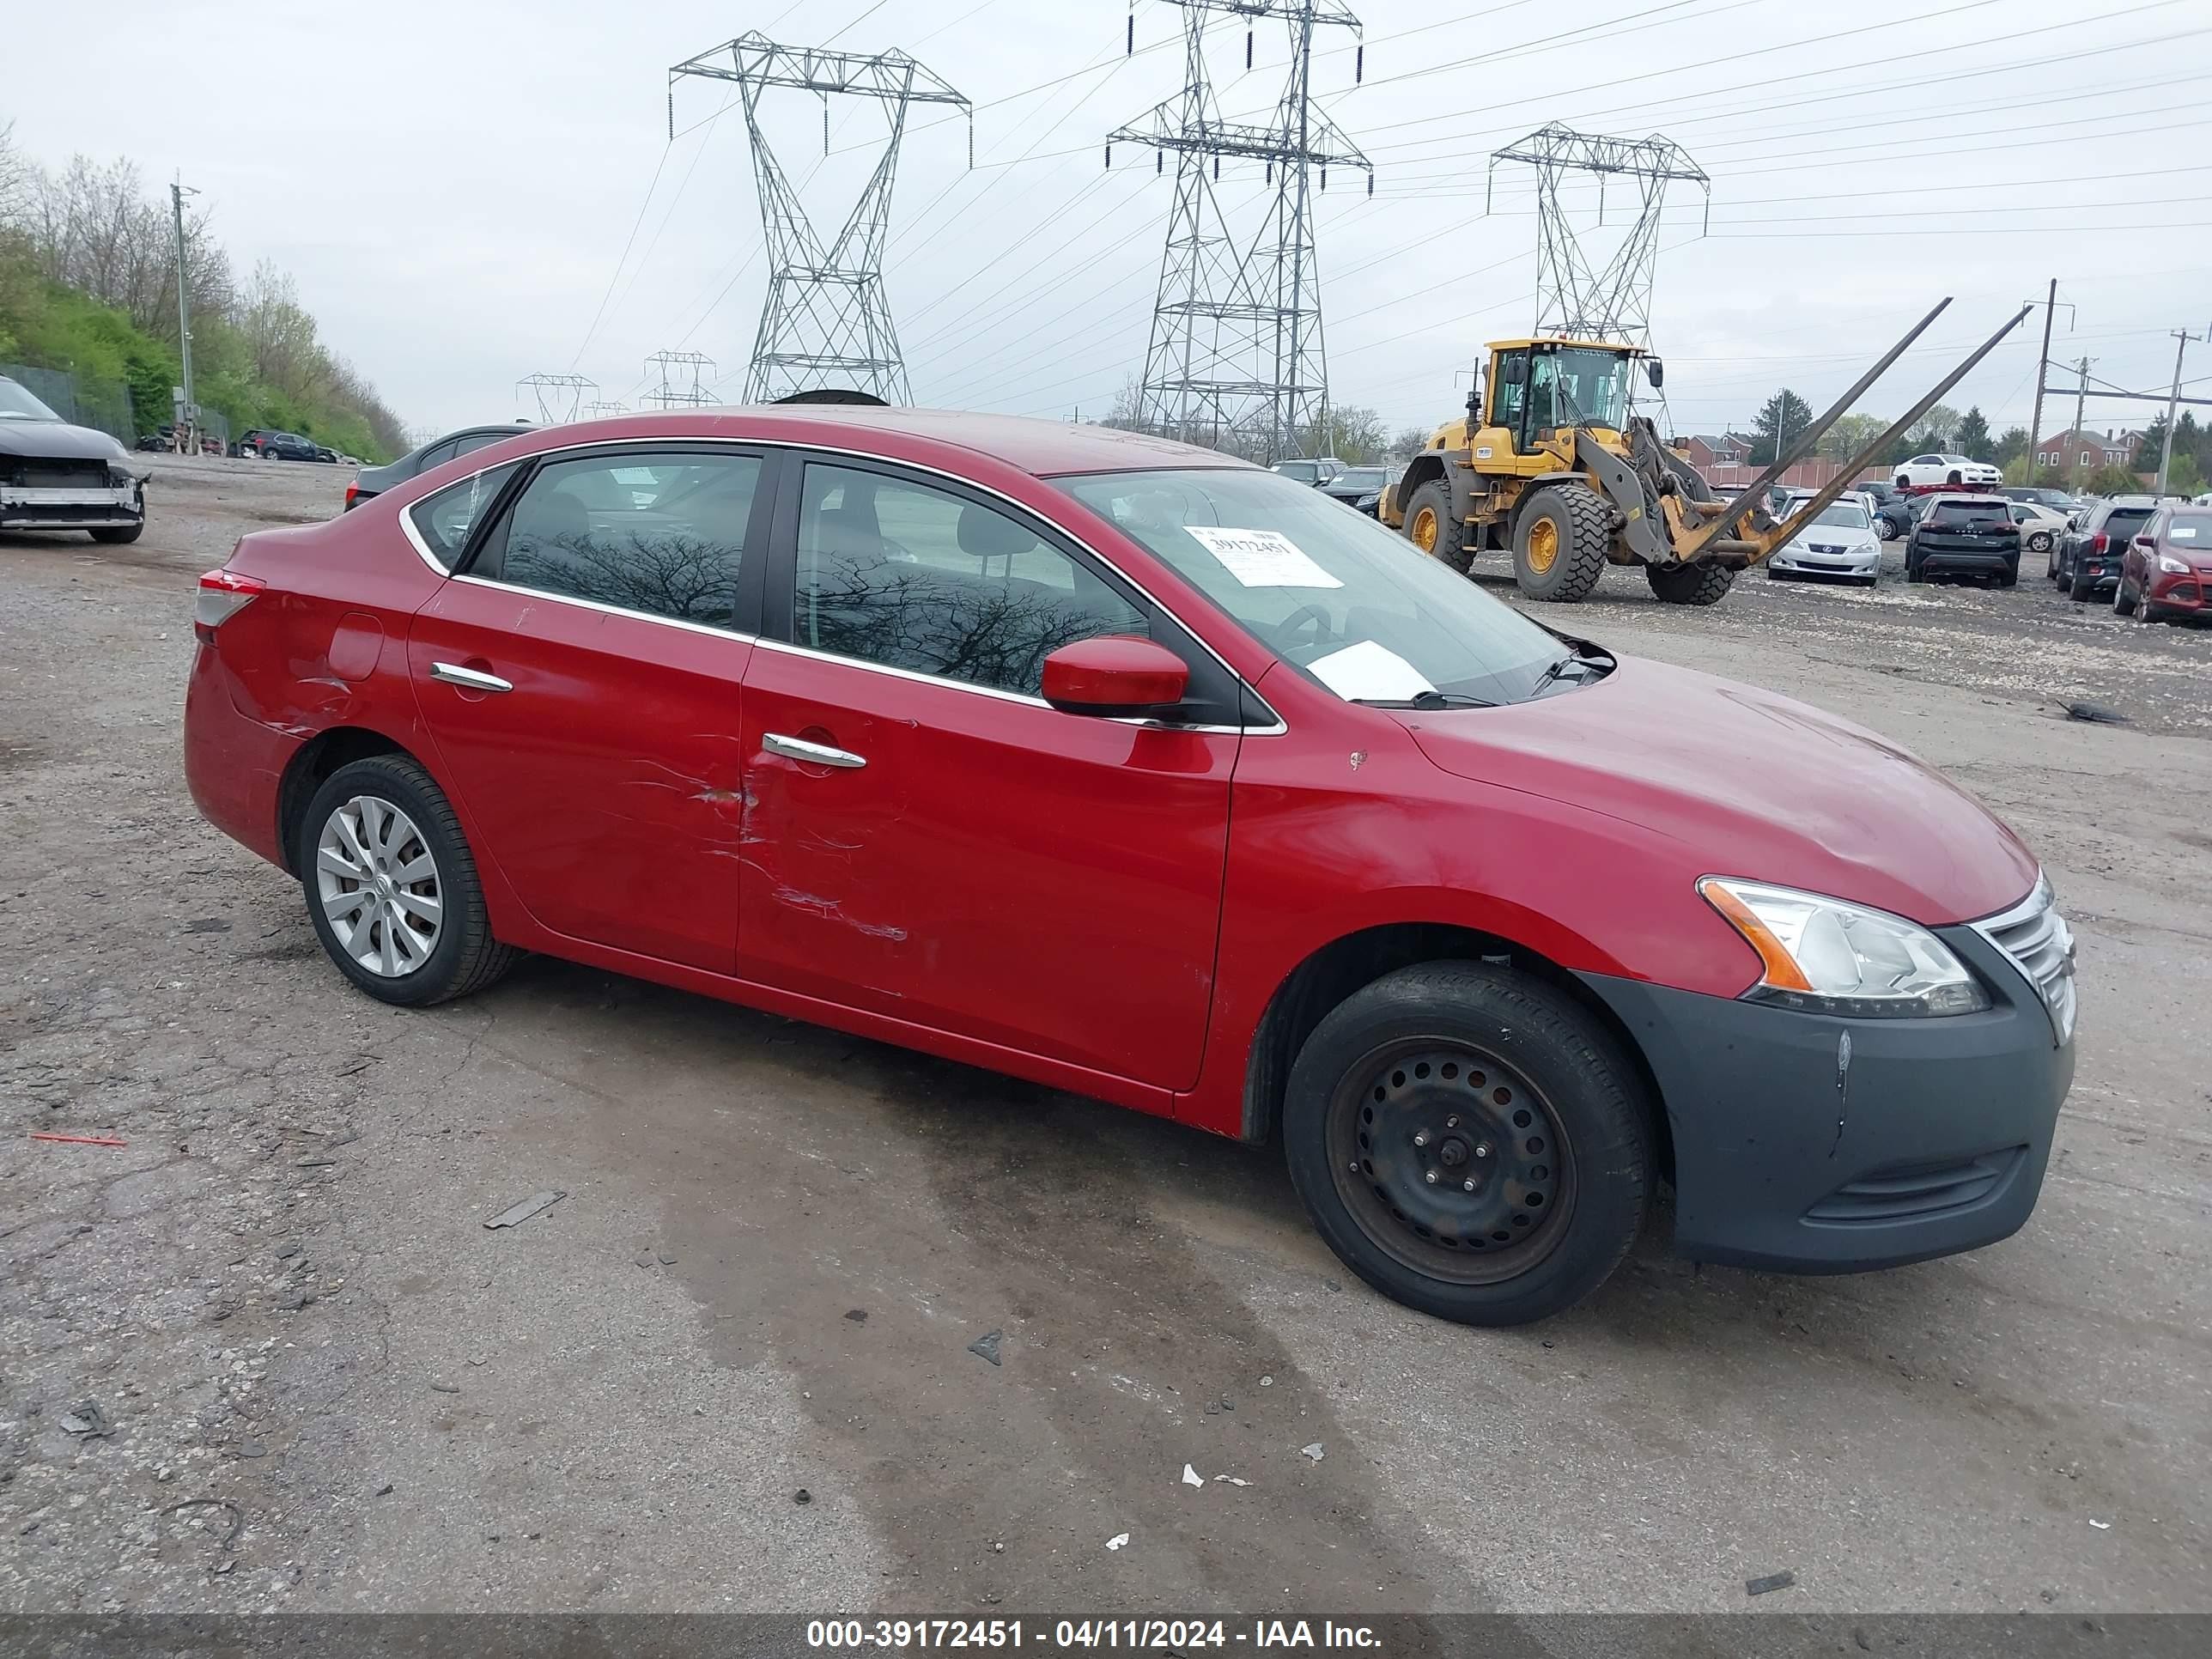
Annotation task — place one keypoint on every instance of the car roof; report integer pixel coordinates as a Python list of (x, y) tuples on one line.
[(1044, 448)]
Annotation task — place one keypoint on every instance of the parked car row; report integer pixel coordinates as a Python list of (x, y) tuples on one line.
[(1359, 487)]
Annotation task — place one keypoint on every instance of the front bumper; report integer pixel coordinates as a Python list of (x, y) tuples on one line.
[(1805, 562), (1930, 1139), (2178, 595), (70, 507)]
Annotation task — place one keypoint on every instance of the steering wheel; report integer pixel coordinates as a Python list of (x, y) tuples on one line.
[(1306, 616)]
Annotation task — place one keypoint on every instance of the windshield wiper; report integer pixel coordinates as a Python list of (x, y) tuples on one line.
[(1572, 659), (1426, 700)]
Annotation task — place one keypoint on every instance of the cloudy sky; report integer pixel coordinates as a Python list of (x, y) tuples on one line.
[(472, 192)]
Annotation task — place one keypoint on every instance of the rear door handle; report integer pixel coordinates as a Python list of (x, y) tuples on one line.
[(471, 679), (797, 749)]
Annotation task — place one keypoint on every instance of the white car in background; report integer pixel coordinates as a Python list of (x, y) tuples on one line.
[(1946, 469), (1841, 542), (2040, 526)]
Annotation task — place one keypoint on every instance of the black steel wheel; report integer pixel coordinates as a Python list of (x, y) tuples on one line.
[(1451, 1159), (1470, 1141)]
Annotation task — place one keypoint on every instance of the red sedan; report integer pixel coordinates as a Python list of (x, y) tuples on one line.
[(1136, 771), (2166, 571)]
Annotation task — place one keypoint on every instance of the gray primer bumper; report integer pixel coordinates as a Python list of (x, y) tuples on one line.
[(1932, 1140)]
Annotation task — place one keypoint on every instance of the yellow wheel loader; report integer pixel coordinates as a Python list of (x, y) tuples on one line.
[(1552, 464)]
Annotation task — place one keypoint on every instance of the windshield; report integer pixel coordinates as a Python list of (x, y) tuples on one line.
[(18, 404), (1367, 477), (1844, 516), (1334, 594), (1593, 387), (1971, 512)]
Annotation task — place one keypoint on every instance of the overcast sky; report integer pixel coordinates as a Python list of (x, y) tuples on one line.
[(452, 185)]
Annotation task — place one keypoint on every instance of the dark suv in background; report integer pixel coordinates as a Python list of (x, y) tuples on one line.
[(2087, 560), (278, 446), (1964, 536)]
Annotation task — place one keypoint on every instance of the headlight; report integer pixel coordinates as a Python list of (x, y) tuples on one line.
[(1823, 956), (2172, 565)]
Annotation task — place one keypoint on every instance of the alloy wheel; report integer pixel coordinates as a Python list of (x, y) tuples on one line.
[(378, 883), (1450, 1160)]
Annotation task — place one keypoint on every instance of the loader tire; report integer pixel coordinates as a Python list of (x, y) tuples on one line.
[(1689, 584), (1559, 543), (1431, 527)]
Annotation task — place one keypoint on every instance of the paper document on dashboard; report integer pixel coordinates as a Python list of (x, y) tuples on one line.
[(1369, 669)]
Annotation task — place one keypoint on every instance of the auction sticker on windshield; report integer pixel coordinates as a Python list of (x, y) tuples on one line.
[(1261, 558)]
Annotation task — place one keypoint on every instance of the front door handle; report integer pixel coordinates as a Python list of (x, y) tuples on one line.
[(819, 754), (469, 679)]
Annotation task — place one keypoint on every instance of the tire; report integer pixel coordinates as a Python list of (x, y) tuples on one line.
[(2040, 542), (2051, 570), (461, 954), (1577, 528), (1953, 478), (1558, 1116), (1912, 570), (1902, 481), (1689, 584), (1429, 508), (116, 535), (2082, 587), (2011, 576), (2122, 604)]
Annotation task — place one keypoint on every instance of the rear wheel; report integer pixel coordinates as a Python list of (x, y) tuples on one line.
[(117, 534), (1431, 527), (1689, 584), (2082, 587), (1470, 1142), (1559, 543), (392, 887)]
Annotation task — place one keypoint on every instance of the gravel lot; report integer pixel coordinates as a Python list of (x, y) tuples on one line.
[(327, 1386)]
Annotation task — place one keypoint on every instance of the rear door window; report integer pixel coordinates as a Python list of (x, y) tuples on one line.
[(444, 520), (660, 533), (1962, 512)]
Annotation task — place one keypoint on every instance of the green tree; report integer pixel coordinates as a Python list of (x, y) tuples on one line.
[(1782, 419), (1849, 435), (2010, 447), (2110, 480), (1411, 440), (1932, 430), (2183, 478), (1971, 435)]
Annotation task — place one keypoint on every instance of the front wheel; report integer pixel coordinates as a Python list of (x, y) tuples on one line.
[(1689, 584), (1431, 527), (1470, 1142), (1559, 543), (2123, 603), (115, 535), (392, 887)]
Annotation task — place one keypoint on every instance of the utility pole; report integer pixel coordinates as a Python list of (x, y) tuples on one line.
[(188, 417), (2081, 399), (2043, 369), (2182, 337)]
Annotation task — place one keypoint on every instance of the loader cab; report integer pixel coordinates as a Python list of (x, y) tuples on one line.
[(1541, 388)]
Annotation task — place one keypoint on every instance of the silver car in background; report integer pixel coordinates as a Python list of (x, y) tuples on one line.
[(1841, 543)]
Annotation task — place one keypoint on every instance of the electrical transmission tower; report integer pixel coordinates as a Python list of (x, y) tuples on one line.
[(1236, 360), (1573, 296), (600, 411), (671, 392), (560, 397), (826, 323)]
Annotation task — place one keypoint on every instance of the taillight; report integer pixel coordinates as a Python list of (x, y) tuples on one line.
[(2097, 542), (353, 494), (223, 595)]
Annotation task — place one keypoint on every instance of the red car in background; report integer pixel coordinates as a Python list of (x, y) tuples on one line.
[(2167, 568), (1136, 771)]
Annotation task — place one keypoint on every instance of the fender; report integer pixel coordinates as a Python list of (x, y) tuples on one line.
[(1454, 467)]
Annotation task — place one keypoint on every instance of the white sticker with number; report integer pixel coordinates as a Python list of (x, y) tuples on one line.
[(1261, 558)]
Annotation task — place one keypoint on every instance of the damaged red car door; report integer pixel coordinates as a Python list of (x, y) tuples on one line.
[(928, 839), (581, 683)]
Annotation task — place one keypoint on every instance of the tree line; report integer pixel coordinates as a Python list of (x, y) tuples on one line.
[(88, 283)]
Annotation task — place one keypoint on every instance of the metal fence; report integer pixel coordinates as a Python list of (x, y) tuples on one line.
[(80, 399)]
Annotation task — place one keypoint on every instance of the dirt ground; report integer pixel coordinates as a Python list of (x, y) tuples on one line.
[(267, 1356)]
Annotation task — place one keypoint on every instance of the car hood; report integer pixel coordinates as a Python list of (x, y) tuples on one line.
[(1857, 541), (1752, 783), (57, 441)]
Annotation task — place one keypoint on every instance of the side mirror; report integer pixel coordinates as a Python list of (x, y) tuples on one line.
[(1115, 674), (1655, 372)]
